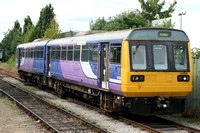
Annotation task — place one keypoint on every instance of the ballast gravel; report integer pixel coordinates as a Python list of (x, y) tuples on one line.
[(112, 125)]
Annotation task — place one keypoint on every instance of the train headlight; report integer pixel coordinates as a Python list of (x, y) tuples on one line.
[(183, 78), (137, 78)]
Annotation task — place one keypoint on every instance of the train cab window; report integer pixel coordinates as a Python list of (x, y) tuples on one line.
[(138, 54), (93, 53), (180, 57), (70, 53), (160, 57), (53, 52), (64, 52), (77, 53), (84, 54), (115, 53), (57, 53)]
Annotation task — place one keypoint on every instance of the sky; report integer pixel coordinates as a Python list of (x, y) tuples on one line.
[(75, 15)]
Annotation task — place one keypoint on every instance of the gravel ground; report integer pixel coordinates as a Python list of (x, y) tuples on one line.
[(12, 120), (108, 123), (113, 126)]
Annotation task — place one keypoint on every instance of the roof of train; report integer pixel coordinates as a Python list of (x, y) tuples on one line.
[(130, 34)]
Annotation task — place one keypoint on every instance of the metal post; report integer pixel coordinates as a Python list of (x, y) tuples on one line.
[(181, 14)]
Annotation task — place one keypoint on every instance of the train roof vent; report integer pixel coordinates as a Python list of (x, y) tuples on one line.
[(89, 32)]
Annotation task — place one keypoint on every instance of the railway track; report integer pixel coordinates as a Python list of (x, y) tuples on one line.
[(54, 118), (151, 124)]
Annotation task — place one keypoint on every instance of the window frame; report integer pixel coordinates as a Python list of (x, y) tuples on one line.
[(77, 49), (64, 51), (71, 53), (167, 57), (83, 55), (90, 56), (112, 46)]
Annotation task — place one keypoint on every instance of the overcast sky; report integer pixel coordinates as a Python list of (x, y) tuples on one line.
[(76, 14)]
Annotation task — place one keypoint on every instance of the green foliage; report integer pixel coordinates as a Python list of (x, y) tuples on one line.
[(11, 60), (124, 20), (27, 25), (53, 30), (46, 16), (152, 9), (98, 24), (164, 24), (11, 39), (30, 34), (195, 52)]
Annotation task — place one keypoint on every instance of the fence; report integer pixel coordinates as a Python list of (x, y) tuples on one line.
[(193, 99)]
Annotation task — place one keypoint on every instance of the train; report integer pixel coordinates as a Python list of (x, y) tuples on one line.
[(141, 70), (2, 55)]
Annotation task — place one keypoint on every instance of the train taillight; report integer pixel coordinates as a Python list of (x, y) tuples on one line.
[(137, 78), (183, 78)]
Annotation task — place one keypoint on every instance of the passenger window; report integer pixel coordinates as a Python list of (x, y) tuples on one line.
[(84, 55), (21, 52), (31, 53), (93, 53), (77, 53), (38, 53), (70, 53), (115, 53), (64, 53), (35, 53), (57, 53), (42, 53), (160, 57), (53, 53)]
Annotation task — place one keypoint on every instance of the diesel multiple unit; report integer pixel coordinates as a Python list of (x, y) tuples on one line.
[(142, 70)]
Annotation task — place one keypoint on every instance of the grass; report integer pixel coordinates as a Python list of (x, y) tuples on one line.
[(10, 104), (7, 66)]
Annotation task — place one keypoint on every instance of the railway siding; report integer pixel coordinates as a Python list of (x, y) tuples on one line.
[(57, 119), (112, 125)]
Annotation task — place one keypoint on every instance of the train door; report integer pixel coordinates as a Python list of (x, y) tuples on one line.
[(48, 61), (18, 58), (105, 65)]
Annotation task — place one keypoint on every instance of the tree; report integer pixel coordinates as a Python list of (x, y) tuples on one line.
[(153, 9), (46, 16), (30, 34), (17, 26), (27, 24), (164, 24), (98, 24), (195, 52), (11, 39), (124, 20), (53, 31)]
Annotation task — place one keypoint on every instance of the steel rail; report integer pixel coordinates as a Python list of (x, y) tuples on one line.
[(88, 123), (181, 126), (26, 108)]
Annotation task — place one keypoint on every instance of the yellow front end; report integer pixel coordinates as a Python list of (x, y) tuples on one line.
[(155, 83)]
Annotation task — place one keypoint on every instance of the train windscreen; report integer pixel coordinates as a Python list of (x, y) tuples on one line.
[(159, 56)]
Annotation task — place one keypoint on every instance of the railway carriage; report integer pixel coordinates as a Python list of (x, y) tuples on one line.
[(2, 55), (143, 70)]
